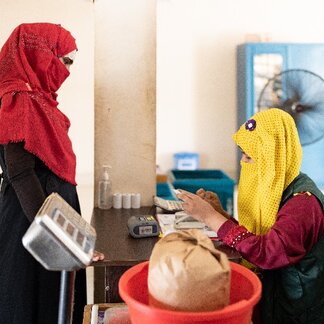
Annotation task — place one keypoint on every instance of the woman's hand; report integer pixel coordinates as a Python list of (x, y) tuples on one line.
[(212, 198), (97, 256), (201, 210)]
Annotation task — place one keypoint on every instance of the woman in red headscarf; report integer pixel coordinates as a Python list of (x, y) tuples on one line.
[(36, 158)]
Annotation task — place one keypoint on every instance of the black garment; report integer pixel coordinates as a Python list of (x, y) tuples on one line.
[(294, 294), (20, 166), (29, 293)]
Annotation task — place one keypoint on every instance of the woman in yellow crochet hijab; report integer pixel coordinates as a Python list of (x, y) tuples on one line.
[(270, 139), (280, 227)]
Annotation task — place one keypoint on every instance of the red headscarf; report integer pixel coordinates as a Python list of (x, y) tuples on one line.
[(30, 75)]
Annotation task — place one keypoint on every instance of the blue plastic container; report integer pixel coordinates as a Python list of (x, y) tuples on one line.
[(165, 191), (186, 161), (210, 180)]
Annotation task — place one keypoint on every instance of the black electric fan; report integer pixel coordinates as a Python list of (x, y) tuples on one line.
[(300, 93)]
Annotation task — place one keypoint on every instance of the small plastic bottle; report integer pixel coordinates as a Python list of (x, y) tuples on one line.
[(105, 189)]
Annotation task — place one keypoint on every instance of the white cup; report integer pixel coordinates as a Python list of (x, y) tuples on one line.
[(117, 200), (126, 200), (136, 200)]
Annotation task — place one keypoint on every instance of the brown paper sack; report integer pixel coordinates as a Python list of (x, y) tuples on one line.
[(187, 273)]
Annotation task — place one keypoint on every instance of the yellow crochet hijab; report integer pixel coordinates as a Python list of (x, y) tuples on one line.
[(270, 138)]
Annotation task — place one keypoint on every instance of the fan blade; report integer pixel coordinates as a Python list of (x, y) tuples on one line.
[(301, 94)]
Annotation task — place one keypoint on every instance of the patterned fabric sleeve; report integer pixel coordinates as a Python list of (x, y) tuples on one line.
[(235, 234)]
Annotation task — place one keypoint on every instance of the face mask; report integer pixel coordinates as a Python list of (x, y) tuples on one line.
[(56, 74)]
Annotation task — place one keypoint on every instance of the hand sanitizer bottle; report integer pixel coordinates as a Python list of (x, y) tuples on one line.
[(105, 189)]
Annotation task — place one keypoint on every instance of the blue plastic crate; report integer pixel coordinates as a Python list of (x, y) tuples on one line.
[(210, 180), (165, 191)]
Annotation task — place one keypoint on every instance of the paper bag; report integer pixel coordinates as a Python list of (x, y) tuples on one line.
[(187, 273)]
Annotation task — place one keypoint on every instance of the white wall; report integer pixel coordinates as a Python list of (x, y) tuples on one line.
[(196, 80), (76, 96)]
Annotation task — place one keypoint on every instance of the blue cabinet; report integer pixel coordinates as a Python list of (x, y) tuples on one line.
[(287, 76)]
